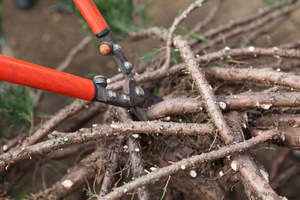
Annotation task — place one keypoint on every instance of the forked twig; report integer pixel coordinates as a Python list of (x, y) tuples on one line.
[(172, 29)]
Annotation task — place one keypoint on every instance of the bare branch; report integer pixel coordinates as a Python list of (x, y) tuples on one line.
[(210, 57), (278, 162), (188, 163), (232, 24), (252, 26), (62, 115), (286, 175), (265, 76), (204, 88), (261, 100), (256, 186), (208, 18), (137, 168), (66, 63), (62, 140), (111, 167), (172, 29), (265, 30)]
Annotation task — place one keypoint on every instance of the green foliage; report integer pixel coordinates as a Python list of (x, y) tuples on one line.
[(179, 12), (157, 87), (16, 108), (88, 192), (1, 16), (243, 43), (2, 41), (269, 2), (176, 57), (194, 35), (91, 75), (17, 193), (149, 56), (215, 64), (119, 15), (63, 6)]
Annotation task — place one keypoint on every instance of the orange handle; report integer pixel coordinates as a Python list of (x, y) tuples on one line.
[(35, 76), (92, 16)]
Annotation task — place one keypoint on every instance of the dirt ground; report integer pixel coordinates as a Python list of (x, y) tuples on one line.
[(40, 36)]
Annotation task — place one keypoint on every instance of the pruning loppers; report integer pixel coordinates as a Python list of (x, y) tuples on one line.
[(133, 97)]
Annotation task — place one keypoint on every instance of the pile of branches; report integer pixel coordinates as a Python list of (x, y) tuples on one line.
[(221, 103)]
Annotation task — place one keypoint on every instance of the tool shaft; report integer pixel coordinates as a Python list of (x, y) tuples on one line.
[(39, 77), (92, 16)]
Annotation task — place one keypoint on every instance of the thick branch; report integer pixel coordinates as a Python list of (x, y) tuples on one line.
[(250, 51), (255, 184), (137, 168), (261, 100), (135, 150), (100, 131), (217, 55), (265, 76), (204, 88)]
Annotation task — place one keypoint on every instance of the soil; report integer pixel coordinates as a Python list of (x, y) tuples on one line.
[(43, 37)]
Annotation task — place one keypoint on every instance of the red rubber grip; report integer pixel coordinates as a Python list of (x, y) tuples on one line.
[(35, 76), (92, 16)]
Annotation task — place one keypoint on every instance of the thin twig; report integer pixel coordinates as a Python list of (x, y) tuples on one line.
[(62, 115), (84, 116), (172, 29), (290, 45), (66, 63), (250, 27), (239, 22), (286, 175), (212, 14), (278, 162), (292, 120), (137, 168), (265, 30), (249, 52)]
